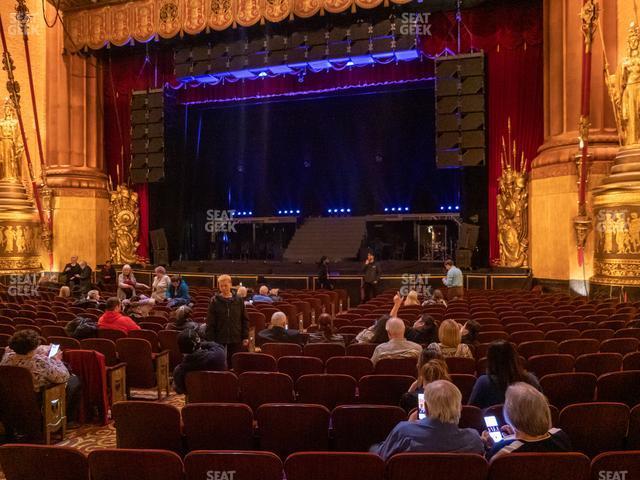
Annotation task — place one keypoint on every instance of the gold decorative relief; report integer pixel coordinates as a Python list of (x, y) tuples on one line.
[(221, 14), (195, 19), (124, 225), (120, 25), (337, 6), (306, 8), (97, 29), (144, 26), (248, 12), (169, 18), (277, 10)]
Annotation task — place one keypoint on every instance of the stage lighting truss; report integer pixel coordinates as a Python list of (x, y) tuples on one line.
[(335, 49)]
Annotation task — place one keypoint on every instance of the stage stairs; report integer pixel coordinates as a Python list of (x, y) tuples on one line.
[(338, 238)]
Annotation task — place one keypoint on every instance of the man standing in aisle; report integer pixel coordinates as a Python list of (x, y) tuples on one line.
[(227, 322), (453, 280), (371, 272)]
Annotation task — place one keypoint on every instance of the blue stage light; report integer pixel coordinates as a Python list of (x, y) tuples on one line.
[(262, 74), (250, 213), (386, 209), (329, 210), (441, 208), (457, 207), (298, 212), (279, 212), (406, 209), (342, 210), (393, 209), (348, 210), (449, 207)]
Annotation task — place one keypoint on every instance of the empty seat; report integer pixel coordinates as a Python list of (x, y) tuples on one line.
[(252, 362), (633, 439), (538, 347), (144, 368), (120, 464), (334, 465), (396, 366), (461, 365), (257, 388), (147, 425), (540, 466), (578, 346), (245, 465), (30, 462), (600, 334), (620, 345), (610, 465), (564, 389), (464, 383), (361, 349), (357, 367), (599, 363), (277, 350), (324, 351), (204, 386), (287, 428), (543, 365), (562, 334), (621, 387), (329, 390), (218, 426), (383, 389), (631, 361), (357, 427), (295, 367), (444, 466)]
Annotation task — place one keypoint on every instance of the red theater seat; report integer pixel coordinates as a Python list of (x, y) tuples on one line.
[(295, 367), (218, 426), (201, 465), (621, 387), (258, 388), (334, 466), (540, 466), (277, 350), (357, 427), (610, 465), (564, 389), (383, 389), (443, 466), (252, 362), (357, 367), (212, 387), (35, 462), (123, 464), (329, 390)]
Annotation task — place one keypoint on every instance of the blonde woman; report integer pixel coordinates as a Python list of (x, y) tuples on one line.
[(431, 371), (412, 299), (450, 344), (161, 282), (127, 283)]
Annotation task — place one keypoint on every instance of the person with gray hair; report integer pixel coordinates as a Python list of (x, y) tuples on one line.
[(397, 346), (279, 332), (161, 282), (438, 432), (263, 295), (528, 417)]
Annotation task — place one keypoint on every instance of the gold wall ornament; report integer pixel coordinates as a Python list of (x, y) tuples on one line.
[(19, 224), (142, 20), (124, 218), (513, 206)]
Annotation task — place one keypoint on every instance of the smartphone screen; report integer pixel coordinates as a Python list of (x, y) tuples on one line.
[(422, 412), (54, 350), (493, 428)]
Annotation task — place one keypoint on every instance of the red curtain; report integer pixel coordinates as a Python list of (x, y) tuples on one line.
[(509, 32)]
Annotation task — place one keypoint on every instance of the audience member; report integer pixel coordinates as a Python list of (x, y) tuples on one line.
[(198, 356), (424, 330), (377, 333), (438, 432), (504, 368), (397, 346), (71, 272), (92, 300), (227, 322), (182, 319), (470, 332), (243, 293), (84, 279), (412, 299), (371, 276), (138, 307), (107, 276), (81, 328), (178, 292), (527, 413), (326, 332), (127, 283), (435, 369), (24, 350), (436, 299), (263, 295), (453, 281), (278, 332), (450, 341), (113, 319), (323, 274), (161, 282), (274, 293), (65, 292)]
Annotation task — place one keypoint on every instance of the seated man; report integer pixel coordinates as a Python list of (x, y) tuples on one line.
[(438, 432), (198, 356), (528, 418), (113, 319), (92, 300), (397, 346), (263, 295), (178, 292), (277, 331), (25, 351)]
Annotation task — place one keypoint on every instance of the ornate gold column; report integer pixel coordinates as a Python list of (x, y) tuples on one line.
[(75, 169), (554, 187)]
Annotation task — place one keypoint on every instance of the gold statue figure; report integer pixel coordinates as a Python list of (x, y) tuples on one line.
[(11, 147), (124, 223), (512, 207), (624, 90)]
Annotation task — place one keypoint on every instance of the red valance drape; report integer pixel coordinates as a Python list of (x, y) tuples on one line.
[(509, 32)]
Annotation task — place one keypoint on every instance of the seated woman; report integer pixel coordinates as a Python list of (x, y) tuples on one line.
[(436, 299), (424, 330), (178, 292), (325, 333), (377, 333), (127, 283), (450, 344), (503, 369), (24, 350), (528, 418), (412, 299), (432, 370), (470, 332), (138, 308), (160, 284)]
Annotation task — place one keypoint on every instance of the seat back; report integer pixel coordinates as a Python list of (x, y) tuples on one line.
[(329, 390), (168, 340), (288, 428), (621, 387), (324, 351), (252, 362), (147, 425), (333, 465), (205, 386), (137, 354), (361, 349), (111, 334), (28, 462), (218, 426), (536, 466), (258, 388), (148, 335), (397, 366), (564, 389), (103, 345), (277, 350), (357, 367), (611, 464), (262, 465), (383, 389), (119, 464), (20, 412), (599, 363), (445, 466), (357, 427), (543, 365), (295, 367)]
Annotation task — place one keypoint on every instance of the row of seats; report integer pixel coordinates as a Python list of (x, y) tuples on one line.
[(284, 428), (25, 462)]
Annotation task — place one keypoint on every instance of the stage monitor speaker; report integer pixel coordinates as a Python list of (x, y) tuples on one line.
[(460, 111), (468, 236), (147, 136)]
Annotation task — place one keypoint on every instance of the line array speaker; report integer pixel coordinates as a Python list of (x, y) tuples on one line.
[(147, 136)]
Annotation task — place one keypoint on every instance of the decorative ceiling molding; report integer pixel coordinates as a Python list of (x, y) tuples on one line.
[(144, 20)]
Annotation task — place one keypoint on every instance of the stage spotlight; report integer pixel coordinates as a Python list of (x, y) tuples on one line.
[(441, 208), (279, 212), (350, 63), (329, 211), (406, 209), (342, 210), (298, 212), (348, 210), (250, 213), (386, 209), (457, 207), (262, 74), (393, 209), (449, 207)]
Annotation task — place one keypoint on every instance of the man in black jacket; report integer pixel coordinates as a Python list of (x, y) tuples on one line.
[(198, 356), (72, 273), (371, 272), (227, 322), (277, 332)]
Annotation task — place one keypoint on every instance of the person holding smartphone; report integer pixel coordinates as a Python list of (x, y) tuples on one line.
[(371, 276), (25, 351), (528, 428)]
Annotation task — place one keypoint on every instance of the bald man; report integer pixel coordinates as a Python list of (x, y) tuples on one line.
[(278, 332), (263, 295), (397, 346)]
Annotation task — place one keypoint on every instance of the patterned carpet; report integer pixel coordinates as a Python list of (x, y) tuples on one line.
[(94, 437)]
